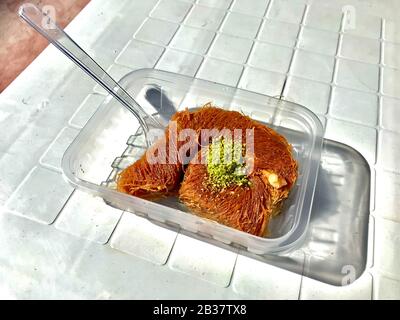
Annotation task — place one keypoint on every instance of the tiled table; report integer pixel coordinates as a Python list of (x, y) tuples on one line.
[(59, 242)]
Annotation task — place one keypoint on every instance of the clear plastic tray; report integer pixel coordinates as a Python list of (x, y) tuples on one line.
[(112, 140)]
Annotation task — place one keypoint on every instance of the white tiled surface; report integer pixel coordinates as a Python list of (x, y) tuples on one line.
[(366, 26), (141, 238), (324, 18), (55, 264), (205, 17), (192, 39), (313, 66), (391, 57), (257, 7), (386, 288), (174, 11), (156, 31), (220, 71), (387, 195), (86, 110), (286, 11), (389, 150), (241, 25), (198, 38), (256, 280), (262, 81), (41, 196), (371, 240), (360, 289), (390, 114), (88, 217), (392, 31), (387, 242), (202, 260), (314, 95), (355, 106), (278, 32), (320, 41), (139, 54), (390, 82), (179, 62), (357, 75), (360, 49), (271, 57), (53, 155), (231, 48), (222, 4), (361, 138)]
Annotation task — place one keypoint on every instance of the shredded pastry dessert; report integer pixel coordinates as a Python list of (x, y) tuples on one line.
[(242, 191)]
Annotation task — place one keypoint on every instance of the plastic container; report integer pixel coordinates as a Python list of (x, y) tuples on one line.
[(111, 140)]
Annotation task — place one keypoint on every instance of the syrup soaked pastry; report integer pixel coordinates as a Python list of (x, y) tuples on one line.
[(225, 191)]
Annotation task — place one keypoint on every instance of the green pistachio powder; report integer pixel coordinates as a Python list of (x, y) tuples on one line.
[(225, 165)]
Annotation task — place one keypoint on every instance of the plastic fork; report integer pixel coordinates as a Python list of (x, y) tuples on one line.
[(43, 23)]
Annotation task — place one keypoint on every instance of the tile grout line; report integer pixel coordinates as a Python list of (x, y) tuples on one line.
[(294, 50), (302, 275), (115, 228), (167, 46), (372, 285), (228, 10), (18, 188), (262, 23), (376, 167), (375, 269), (378, 137), (5, 206), (80, 108), (233, 270), (265, 19), (331, 83), (219, 32), (62, 208), (335, 65), (379, 216), (216, 35), (371, 260), (380, 97), (216, 32), (177, 233), (51, 145), (372, 189)]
